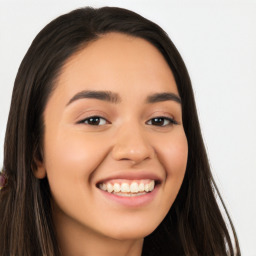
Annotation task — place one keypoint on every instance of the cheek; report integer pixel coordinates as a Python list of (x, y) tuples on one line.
[(70, 160), (173, 153), (72, 150)]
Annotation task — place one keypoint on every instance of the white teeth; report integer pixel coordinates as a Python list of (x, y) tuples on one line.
[(151, 185), (124, 187), (117, 187), (141, 187), (134, 187), (109, 188), (103, 186)]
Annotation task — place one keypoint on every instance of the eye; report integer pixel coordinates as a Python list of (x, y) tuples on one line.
[(161, 121), (94, 120)]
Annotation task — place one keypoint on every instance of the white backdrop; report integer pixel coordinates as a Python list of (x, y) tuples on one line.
[(217, 40)]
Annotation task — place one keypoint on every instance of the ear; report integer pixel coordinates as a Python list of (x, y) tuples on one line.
[(38, 169), (37, 165)]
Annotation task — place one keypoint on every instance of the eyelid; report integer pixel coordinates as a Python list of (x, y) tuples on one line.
[(91, 113)]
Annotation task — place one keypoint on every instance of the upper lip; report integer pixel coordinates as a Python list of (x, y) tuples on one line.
[(132, 175)]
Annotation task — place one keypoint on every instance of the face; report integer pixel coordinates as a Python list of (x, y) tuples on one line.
[(115, 151)]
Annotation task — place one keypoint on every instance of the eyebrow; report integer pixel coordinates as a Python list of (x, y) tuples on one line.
[(99, 95), (165, 96), (115, 98)]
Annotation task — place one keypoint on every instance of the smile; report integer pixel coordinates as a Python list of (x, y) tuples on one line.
[(128, 188)]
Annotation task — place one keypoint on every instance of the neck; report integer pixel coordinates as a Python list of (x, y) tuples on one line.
[(75, 239)]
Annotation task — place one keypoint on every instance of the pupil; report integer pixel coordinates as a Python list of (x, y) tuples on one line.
[(158, 121), (94, 121)]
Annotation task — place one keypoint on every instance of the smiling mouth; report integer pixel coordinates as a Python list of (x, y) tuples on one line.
[(128, 188)]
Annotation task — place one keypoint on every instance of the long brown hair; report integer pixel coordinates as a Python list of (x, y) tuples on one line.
[(193, 226)]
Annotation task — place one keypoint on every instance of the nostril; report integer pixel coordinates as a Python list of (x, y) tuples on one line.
[(127, 159)]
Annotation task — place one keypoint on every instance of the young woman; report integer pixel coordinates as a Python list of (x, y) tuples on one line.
[(103, 151)]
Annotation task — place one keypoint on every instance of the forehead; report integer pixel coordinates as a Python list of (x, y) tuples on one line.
[(117, 62)]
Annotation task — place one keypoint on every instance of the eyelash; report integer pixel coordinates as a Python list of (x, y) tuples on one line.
[(97, 121)]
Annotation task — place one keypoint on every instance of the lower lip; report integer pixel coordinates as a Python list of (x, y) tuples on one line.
[(133, 201)]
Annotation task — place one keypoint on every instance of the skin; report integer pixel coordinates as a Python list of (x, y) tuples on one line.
[(78, 155)]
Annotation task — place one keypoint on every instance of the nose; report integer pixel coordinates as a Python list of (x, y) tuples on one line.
[(132, 144)]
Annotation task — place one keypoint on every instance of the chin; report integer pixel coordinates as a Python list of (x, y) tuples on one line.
[(131, 232)]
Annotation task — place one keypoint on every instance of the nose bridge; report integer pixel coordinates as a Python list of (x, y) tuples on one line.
[(131, 143)]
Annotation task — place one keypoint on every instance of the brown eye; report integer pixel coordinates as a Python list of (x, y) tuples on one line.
[(161, 121), (94, 120)]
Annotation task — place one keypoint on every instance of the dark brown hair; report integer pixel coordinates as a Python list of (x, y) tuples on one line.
[(193, 226)]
